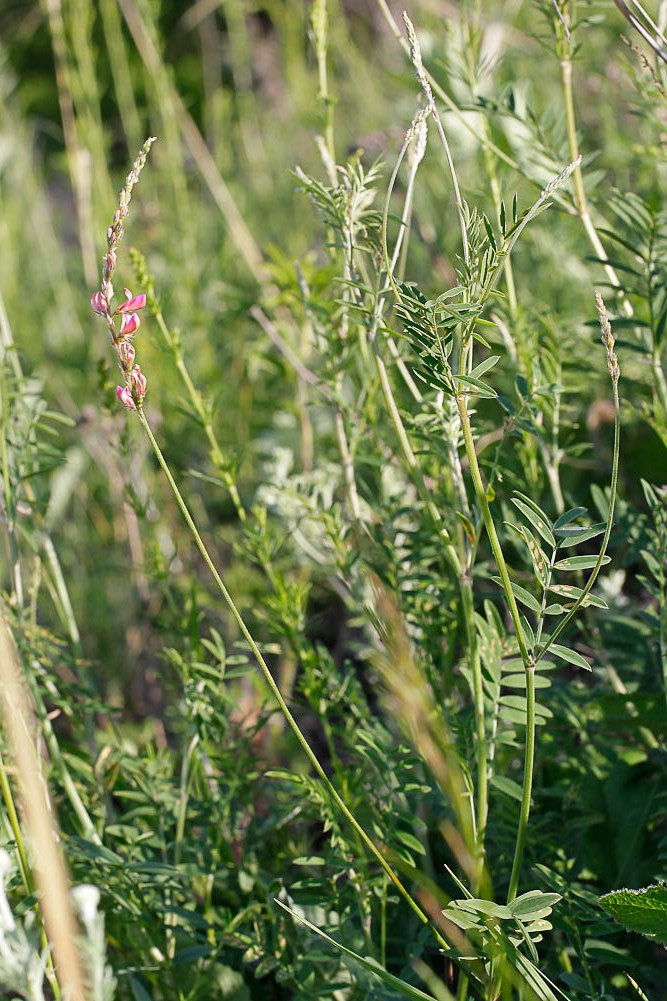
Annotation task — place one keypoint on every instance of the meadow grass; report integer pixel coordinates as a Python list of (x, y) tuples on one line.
[(337, 587)]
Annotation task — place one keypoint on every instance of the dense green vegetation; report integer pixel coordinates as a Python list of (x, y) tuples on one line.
[(393, 725)]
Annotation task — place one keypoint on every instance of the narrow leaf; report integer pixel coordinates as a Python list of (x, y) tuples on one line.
[(476, 388), (507, 786), (571, 656), (484, 366), (567, 516), (536, 517), (520, 593), (569, 591), (580, 562)]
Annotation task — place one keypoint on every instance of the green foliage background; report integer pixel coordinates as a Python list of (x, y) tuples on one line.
[(135, 656)]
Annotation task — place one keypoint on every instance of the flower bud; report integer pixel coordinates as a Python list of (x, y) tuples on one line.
[(126, 353), (125, 396), (99, 303), (137, 384), (129, 324)]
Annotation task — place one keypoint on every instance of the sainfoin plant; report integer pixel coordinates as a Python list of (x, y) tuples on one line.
[(492, 943), (410, 743)]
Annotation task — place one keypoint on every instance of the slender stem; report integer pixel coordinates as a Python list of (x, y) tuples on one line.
[(579, 192), (480, 493), (270, 681), (320, 23), (196, 399), (480, 725), (87, 827), (565, 621), (8, 799), (526, 795), (463, 118), (660, 380), (526, 656)]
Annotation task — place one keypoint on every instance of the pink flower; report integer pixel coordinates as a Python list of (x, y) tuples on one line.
[(99, 303), (129, 324), (126, 353), (109, 262), (137, 384), (131, 302), (125, 396)]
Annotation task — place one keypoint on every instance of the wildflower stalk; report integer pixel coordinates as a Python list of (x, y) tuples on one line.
[(132, 395), (615, 374), (275, 690)]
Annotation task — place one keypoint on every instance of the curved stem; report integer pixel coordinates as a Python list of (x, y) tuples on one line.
[(526, 655), (564, 622), (270, 681), (480, 493)]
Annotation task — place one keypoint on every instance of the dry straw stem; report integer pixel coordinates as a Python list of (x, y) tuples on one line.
[(49, 865), (193, 139), (76, 157)]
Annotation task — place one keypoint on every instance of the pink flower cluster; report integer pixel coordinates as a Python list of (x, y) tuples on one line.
[(133, 392)]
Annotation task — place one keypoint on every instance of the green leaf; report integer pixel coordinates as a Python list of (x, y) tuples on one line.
[(571, 656), (519, 681), (484, 366), (537, 554), (407, 990), (533, 905), (410, 841), (507, 786), (520, 593), (580, 563), (569, 591), (568, 516), (487, 907), (573, 536), (518, 704), (643, 911), (476, 388), (535, 516)]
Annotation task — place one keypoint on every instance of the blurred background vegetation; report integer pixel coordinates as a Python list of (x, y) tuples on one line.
[(234, 93)]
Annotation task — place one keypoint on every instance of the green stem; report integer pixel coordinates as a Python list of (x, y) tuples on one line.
[(528, 767), (526, 656), (480, 493), (271, 683), (564, 622), (320, 23), (660, 381), (480, 728), (24, 865), (217, 457), (490, 164), (55, 754)]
